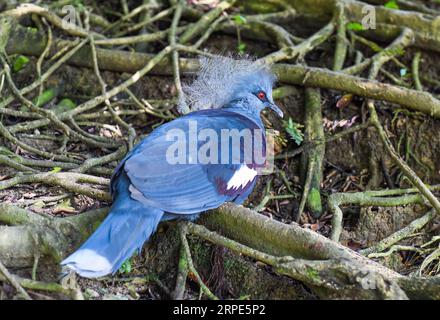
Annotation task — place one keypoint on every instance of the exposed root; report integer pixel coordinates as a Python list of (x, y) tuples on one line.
[(329, 269)]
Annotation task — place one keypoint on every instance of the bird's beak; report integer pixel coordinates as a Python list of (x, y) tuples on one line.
[(275, 108)]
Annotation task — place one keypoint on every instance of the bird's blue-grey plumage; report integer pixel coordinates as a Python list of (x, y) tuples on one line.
[(147, 188)]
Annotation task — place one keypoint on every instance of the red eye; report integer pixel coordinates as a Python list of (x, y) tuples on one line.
[(261, 95)]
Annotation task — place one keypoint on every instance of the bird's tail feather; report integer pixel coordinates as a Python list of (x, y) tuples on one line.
[(126, 228)]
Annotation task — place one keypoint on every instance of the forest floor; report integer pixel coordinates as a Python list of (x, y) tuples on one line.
[(355, 162)]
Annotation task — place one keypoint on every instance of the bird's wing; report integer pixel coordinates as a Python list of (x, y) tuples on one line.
[(187, 188)]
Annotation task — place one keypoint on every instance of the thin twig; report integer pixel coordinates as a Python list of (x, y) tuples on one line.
[(13, 281)]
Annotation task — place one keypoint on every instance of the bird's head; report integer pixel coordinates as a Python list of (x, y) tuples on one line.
[(222, 81), (256, 88)]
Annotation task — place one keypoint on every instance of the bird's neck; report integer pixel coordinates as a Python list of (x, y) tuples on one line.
[(243, 107)]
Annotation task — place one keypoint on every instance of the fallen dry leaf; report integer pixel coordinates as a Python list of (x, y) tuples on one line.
[(344, 101)]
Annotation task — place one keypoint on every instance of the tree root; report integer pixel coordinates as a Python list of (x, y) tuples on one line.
[(413, 227), (51, 287), (254, 235), (313, 159), (5, 273), (182, 272), (409, 173), (425, 27), (385, 198), (192, 270), (291, 74), (68, 180)]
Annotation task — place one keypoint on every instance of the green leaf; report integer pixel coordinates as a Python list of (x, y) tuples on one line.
[(294, 130), (392, 5), (55, 169), (239, 19), (19, 63), (79, 4), (32, 30), (45, 97), (64, 105), (312, 273), (126, 267), (355, 26), (241, 47)]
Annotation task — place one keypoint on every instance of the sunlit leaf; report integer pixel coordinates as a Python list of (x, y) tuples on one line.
[(45, 97), (391, 5), (239, 19), (355, 26), (64, 105), (241, 47), (126, 267), (344, 101), (79, 4), (19, 63), (294, 130), (55, 170)]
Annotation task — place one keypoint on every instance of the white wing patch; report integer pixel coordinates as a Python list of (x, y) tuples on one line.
[(241, 177)]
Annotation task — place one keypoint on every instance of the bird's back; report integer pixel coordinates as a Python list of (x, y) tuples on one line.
[(192, 185)]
